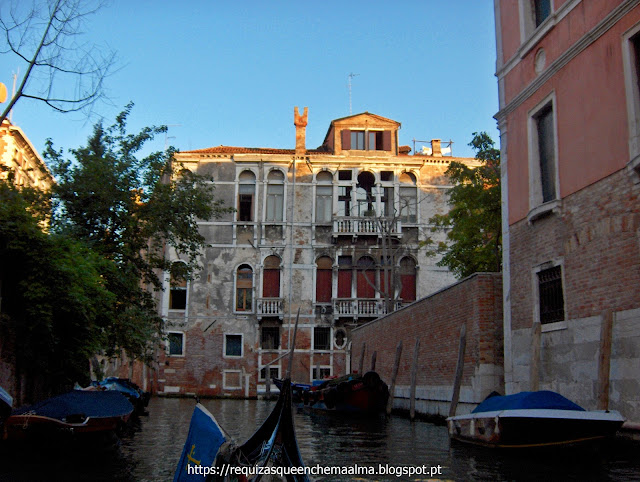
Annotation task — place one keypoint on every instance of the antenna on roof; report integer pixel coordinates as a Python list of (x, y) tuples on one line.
[(351, 76)]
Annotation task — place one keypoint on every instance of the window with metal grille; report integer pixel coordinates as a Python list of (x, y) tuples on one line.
[(270, 337), (274, 372), (551, 296), (321, 338)]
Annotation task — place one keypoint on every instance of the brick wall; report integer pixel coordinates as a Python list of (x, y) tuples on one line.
[(436, 321), (596, 239)]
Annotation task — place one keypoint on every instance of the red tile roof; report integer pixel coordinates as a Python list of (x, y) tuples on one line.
[(245, 150)]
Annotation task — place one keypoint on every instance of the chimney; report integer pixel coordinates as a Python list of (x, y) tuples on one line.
[(300, 121), (436, 150)]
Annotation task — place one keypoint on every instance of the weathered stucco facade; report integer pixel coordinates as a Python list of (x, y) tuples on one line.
[(332, 232), (569, 125)]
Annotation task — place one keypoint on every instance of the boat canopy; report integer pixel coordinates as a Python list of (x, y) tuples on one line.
[(543, 399), (89, 403)]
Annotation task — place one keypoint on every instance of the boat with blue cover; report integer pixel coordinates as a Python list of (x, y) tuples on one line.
[(78, 412), (138, 398), (533, 419)]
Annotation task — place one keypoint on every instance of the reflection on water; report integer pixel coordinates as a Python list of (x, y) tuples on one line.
[(152, 449)]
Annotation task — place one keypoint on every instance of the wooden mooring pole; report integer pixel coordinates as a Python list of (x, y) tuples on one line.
[(455, 396), (534, 375), (604, 360), (414, 378), (361, 366), (267, 380), (394, 375), (373, 361)]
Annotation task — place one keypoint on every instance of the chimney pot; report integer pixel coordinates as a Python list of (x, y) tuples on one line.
[(436, 149), (300, 121)]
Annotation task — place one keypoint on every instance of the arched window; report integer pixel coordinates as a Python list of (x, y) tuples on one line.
[(178, 287), (366, 281), (275, 196), (246, 194), (365, 198), (408, 198), (271, 277), (324, 275), (324, 197), (244, 288), (408, 279)]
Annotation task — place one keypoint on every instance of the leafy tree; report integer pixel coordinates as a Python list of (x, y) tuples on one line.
[(58, 70), (473, 224), (53, 297), (130, 209)]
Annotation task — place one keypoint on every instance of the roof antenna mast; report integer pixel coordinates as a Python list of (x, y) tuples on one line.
[(351, 76)]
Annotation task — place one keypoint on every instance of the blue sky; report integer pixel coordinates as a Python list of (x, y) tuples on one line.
[(222, 72)]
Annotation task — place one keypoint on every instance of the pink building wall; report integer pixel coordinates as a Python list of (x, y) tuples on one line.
[(576, 58)]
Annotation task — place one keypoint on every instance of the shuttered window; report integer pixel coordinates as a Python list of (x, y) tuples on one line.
[(324, 277), (366, 140), (271, 277)]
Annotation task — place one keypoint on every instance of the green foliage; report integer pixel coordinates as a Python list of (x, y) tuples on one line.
[(80, 267), (473, 224), (130, 210), (53, 297)]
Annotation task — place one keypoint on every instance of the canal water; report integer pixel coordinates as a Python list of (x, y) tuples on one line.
[(151, 450)]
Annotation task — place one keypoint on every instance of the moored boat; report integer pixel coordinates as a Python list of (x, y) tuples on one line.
[(352, 393), (272, 450), (138, 398), (533, 419), (76, 413), (6, 403)]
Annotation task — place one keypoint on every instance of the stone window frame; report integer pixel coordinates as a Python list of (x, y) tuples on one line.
[(239, 183), (403, 188), (181, 288), (327, 198), (168, 344), (325, 371), (558, 325), (631, 69), (225, 384), (269, 198), (329, 338), (538, 208), (251, 309), (262, 372), (530, 34), (224, 346), (270, 328)]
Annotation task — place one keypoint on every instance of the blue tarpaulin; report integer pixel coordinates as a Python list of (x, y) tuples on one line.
[(204, 439), (90, 403), (543, 399)]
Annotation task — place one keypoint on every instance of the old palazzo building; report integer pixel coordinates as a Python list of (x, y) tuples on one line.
[(569, 87), (333, 233), (19, 157)]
